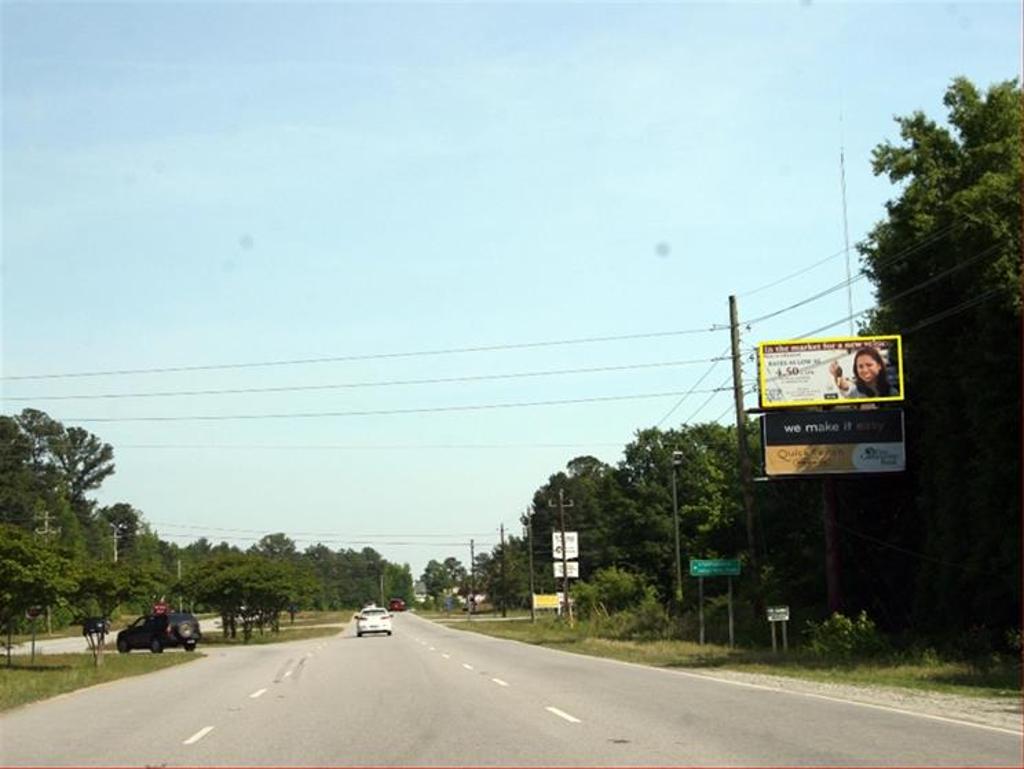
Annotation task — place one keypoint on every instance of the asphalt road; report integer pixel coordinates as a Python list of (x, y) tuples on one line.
[(434, 696)]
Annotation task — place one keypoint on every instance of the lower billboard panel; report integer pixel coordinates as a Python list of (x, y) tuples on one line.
[(833, 442)]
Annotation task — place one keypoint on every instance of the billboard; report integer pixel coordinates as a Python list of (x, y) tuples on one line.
[(819, 372), (829, 442)]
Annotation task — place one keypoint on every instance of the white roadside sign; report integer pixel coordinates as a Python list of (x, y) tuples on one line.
[(572, 549), (572, 566)]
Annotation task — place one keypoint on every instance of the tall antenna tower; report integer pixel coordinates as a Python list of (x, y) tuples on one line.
[(846, 224)]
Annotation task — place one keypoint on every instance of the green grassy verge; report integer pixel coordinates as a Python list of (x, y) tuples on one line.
[(54, 674), (999, 680), (297, 634), (303, 618)]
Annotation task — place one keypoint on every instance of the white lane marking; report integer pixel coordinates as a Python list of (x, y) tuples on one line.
[(287, 673), (499, 682), (563, 714), (779, 690), (433, 649), (447, 656), (257, 693), (198, 735), (467, 667)]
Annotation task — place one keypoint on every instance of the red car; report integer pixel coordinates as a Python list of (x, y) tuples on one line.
[(396, 604)]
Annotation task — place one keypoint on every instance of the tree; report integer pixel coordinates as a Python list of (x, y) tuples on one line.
[(946, 267), (31, 574), (103, 586), (275, 546)]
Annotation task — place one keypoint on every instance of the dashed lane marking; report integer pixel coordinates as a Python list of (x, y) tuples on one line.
[(198, 735), (563, 714), (257, 693), (499, 682), (447, 656), (467, 667), (287, 673)]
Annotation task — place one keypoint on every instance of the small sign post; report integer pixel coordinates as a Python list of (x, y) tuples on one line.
[(779, 614), (714, 567), (32, 615)]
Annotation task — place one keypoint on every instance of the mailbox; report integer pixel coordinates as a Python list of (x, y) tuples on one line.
[(95, 626)]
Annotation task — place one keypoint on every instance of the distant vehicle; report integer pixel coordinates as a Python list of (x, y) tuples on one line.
[(373, 619), (396, 604), (157, 632)]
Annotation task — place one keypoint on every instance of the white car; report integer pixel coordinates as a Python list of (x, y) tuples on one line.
[(373, 619)]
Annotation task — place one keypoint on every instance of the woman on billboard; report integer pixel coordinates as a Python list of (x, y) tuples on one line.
[(870, 378)]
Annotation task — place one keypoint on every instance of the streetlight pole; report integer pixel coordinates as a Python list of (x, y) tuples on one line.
[(677, 461), (527, 521)]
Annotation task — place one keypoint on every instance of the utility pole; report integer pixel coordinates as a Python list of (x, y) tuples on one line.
[(46, 532), (504, 584), (114, 529), (527, 520), (830, 507), (562, 504), (472, 580), (745, 471), (677, 462), (179, 585)]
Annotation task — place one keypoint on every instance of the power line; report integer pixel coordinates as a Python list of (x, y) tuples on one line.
[(915, 554), (378, 412), (714, 364), (907, 292), (366, 356), (954, 310), (354, 385), (361, 447), (721, 388), (796, 274), (338, 534), (923, 243), (317, 541)]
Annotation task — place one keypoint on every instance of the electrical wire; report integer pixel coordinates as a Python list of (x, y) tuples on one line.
[(915, 554), (377, 412), (367, 356), (907, 292), (337, 534), (688, 393), (355, 385), (930, 240)]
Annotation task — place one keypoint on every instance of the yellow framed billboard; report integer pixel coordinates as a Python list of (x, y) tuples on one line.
[(828, 372)]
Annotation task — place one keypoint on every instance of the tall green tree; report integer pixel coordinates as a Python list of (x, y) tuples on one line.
[(946, 264)]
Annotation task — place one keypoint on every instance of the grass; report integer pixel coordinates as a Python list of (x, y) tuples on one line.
[(1001, 679), (54, 674), (297, 634), (315, 618)]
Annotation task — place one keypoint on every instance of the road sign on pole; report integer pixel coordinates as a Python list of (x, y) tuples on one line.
[(573, 567), (572, 546), (716, 567)]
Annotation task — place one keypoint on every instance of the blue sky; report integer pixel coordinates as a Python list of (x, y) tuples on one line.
[(202, 184)]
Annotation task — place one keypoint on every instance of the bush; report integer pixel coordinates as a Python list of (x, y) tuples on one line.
[(647, 620), (610, 591), (841, 638)]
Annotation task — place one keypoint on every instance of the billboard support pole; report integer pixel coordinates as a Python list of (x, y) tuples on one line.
[(732, 624), (700, 604), (745, 472), (830, 500)]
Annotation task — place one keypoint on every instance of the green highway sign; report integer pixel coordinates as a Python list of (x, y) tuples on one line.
[(717, 567)]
